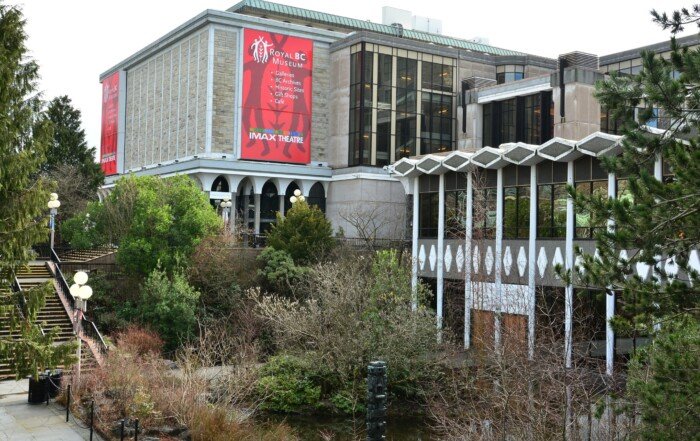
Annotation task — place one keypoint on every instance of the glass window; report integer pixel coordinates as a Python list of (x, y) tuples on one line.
[(428, 216), (436, 76), (436, 123), (508, 121), (509, 73), (551, 199), (488, 125), (532, 119), (516, 202), (383, 136), (405, 135)]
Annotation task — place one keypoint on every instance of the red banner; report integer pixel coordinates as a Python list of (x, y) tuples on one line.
[(276, 114), (110, 124)]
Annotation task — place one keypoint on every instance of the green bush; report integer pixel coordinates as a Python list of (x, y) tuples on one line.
[(287, 385), (304, 233), (81, 231), (279, 273), (154, 221), (664, 378), (168, 306)]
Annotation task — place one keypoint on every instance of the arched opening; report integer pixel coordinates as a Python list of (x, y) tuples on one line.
[(317, 196), (288, 194), (269, 206), (220, 184), (245, 205)]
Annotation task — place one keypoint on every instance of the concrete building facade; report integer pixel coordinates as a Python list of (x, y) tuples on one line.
[(464, 147)]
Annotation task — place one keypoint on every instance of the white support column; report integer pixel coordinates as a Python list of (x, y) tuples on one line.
[(440, 253), (281, 205), (569, 298), (659, 175), (531, 267), (568, 262), (256, 225), (232, 216), (468, 293), (610, 297), (659, 168), (414, 245), (498, 284)]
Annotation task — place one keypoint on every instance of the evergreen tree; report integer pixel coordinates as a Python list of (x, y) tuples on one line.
[(659, 220), (25, 134), (658, 223), (304, 233), (69, 146)]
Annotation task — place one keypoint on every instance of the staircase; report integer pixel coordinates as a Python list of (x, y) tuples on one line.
[(83, 256), (53, 315)]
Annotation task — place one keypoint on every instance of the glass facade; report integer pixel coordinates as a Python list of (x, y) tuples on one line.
[(516, 202), (509, 72), (401, 104), (589, 179), (551, 200), (526, 119)]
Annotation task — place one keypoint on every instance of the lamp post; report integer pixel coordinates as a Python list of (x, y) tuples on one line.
[(81, 292), (297, 197), (225, 208), (53, 204)]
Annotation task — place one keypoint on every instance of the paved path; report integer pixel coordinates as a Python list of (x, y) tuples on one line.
[(20, 421)]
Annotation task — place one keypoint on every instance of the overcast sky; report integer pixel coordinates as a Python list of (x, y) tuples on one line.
[(74, 41)]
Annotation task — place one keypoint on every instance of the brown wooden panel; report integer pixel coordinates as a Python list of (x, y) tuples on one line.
[(514, 327), (482, 329)]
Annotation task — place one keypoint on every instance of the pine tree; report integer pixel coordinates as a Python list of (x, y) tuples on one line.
[(660, 220), (24, 136), (658, 224), (69, 146)]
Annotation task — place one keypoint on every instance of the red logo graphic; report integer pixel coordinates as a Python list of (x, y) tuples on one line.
[(276, 113)]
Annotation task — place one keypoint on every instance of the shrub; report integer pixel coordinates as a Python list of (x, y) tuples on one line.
[(130, 385), (139, 342), (287, 384), (279, 273), (304, 233), (222, 271), (168, 306), (358, 310)]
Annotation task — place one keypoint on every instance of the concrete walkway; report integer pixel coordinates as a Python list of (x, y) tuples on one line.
[(21, 421)]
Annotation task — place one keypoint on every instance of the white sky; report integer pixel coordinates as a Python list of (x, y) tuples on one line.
[(74, 41)]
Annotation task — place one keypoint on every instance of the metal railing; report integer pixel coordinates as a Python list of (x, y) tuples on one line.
[(86, 327), (90, 330), (373, 243)]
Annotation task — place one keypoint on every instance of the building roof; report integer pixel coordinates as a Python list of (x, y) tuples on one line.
[(264, 7)]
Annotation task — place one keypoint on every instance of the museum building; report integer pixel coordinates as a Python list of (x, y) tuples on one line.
[(463, 147)]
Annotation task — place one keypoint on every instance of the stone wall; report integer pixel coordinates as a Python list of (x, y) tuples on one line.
[(320, 117), (339, 108), (380, 201), (225, 89), (166, 104)]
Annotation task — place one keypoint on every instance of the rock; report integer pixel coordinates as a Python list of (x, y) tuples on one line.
[(170, 365), (167, 430), (129, 430)]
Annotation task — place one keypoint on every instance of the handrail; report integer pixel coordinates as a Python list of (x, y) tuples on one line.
[(90, 330), (62, 283)]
